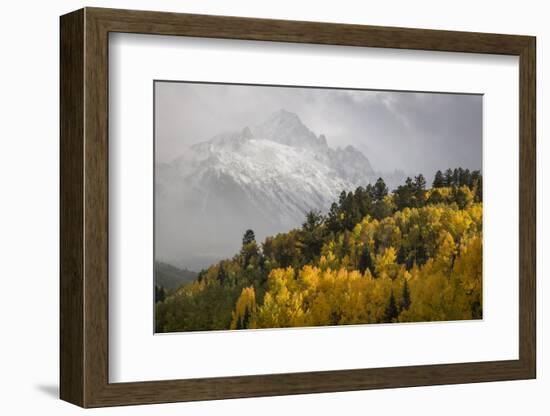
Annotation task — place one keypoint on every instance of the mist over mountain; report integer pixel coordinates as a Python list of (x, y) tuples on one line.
[(263, 177)]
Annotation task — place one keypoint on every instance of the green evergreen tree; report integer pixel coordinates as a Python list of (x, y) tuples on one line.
[(419, 190), (363, 201), (248, 237), (419, 183), (246, 318), (342, 199), (449, 177), (365, 261), (460, 198), (382, 209), (352, 213), (313, 235), (222, 275), (465, 178), (435, 197), (459, 176), (421, 256), (477, 185), (369, 189), (391, 313), (380, 190), (474, 177), (439, 180), (249, 249), (403, 257), (403, 195), (314, 220), (405, 297), (333, 222), (456, 177)]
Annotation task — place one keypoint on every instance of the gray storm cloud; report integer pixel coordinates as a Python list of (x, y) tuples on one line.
[(203, 210), (409, 131)]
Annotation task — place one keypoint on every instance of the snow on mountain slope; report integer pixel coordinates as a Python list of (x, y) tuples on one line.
[(265, 177)]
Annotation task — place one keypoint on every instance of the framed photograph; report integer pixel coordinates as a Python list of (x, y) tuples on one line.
[(255, 207)]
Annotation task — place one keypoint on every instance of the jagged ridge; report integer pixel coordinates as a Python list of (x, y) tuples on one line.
[(264, 177)]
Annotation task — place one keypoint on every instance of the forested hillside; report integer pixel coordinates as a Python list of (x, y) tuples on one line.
[(411, 255), (170, 277)]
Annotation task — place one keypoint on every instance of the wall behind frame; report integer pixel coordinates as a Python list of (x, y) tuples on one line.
[(29, 169)]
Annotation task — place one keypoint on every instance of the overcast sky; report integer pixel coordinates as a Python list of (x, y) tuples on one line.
[(413, 132)]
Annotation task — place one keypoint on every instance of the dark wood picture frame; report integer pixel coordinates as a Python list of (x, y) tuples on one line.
[(84, 207)]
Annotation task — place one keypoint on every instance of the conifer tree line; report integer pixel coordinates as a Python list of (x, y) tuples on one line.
[(410, 255)]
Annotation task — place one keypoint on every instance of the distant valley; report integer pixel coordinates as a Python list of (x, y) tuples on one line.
[(170, 277)]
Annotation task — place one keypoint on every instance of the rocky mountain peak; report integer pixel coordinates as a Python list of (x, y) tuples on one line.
[(287, 128), (265, 177)]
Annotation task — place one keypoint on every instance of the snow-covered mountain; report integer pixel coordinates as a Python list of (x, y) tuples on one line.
[(264, 177)]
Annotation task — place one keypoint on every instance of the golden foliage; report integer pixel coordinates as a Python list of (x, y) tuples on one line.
[(418, 264), (446, 286), (245, 310)]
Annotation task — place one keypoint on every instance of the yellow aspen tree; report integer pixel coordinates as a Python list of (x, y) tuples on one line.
[(385, 263), (446, 253), (245, 310)]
